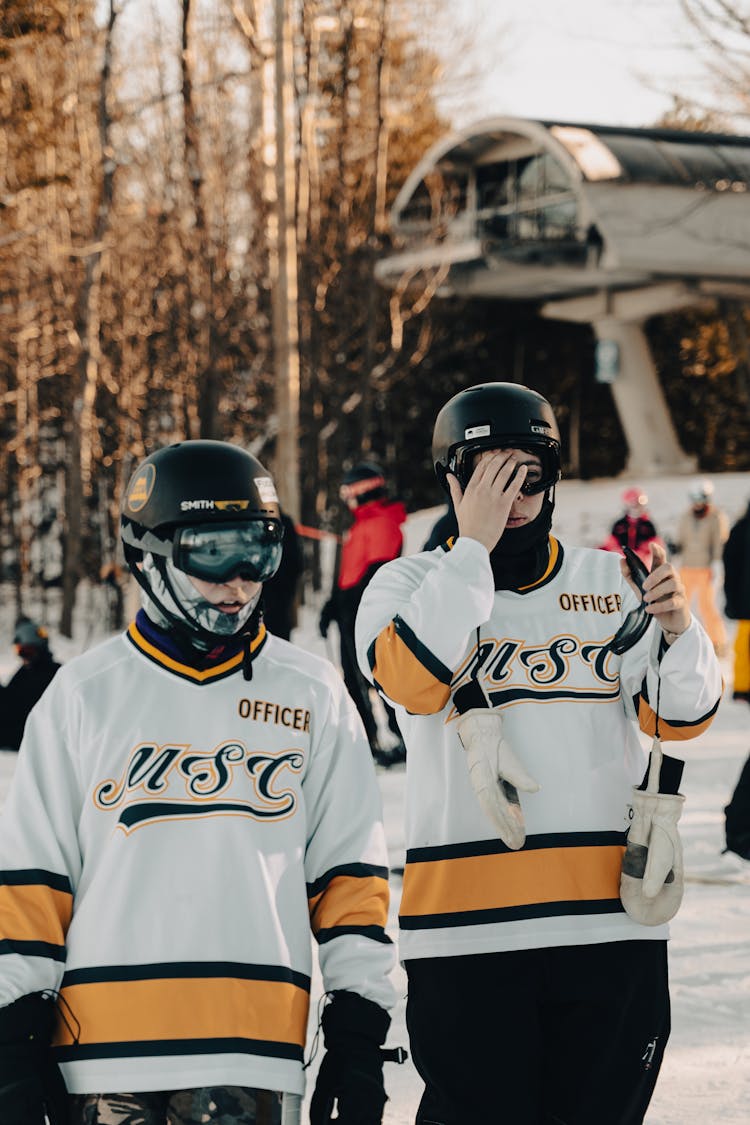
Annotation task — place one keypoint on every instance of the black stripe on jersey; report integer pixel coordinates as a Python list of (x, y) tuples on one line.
[(420, 651), (513, 695), (509, 914), (132, 815), (533, 843), (353, 870), (177, 1047), (643, 694), (34, 876), (182, 970), (33, 949), (375, 933)]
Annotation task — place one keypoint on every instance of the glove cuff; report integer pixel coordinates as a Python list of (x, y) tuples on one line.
[(31, 1019), (350, 1017)]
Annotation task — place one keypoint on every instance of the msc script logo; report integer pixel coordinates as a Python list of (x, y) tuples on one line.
[(162, 783), (567, 667)]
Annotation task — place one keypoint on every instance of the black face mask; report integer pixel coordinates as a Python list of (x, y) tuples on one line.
[(522, 554)]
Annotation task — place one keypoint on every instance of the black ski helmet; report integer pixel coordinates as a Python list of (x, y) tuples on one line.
[(495, 416), (192, 483), (177, 495), (365, 481)]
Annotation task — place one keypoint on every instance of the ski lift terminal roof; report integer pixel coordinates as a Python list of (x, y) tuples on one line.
[(525, 209)]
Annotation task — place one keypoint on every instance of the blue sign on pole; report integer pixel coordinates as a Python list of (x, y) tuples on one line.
[(607, 356)]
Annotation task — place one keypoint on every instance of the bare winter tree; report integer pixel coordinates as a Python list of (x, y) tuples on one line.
[(137, 232), (722, 32), (98, 167)]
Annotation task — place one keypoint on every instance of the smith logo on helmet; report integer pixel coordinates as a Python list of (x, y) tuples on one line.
[(141, 489), (209, 505)]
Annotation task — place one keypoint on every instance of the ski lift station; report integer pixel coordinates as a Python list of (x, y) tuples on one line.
[(596, 224)]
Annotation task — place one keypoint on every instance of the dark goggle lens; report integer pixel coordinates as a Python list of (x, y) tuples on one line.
[(538, 478), (630, 632), (251, 551), (637, 621)]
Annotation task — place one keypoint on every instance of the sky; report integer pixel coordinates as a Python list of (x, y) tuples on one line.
[(602, 61)]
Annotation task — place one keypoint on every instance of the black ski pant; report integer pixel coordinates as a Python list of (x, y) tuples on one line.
[(359, 688), (567, 1036), (737, 815)]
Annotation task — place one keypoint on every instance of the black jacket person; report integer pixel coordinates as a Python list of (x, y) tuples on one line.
[(28, 683)]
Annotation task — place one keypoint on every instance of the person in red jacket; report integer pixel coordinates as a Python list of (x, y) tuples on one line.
[(374, 538), (634, 528)]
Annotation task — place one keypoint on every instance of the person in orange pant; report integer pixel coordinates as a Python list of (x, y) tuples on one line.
[(701, 535)]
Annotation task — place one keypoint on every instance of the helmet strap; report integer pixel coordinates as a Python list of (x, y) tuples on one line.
[(184, 636)]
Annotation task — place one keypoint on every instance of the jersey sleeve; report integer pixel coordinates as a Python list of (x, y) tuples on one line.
[(346, 860), (683, 681), (40, 859), (416, 618)]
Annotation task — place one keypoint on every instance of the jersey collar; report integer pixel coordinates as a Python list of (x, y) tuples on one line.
[(159, 646)]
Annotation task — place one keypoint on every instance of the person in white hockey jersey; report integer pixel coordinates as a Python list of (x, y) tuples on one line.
[(521, 669), (192, 798)]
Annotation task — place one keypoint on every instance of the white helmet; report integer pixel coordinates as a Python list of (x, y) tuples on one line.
[(701, 491)]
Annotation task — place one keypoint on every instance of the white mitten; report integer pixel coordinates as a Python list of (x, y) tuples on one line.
[(496, 774), (653, 879)]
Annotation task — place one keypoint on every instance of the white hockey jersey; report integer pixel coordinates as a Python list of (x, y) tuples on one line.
[(171, 837), (426, 625)]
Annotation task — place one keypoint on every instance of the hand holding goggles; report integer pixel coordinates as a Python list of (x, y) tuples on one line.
[(637, 621), (219, 552)]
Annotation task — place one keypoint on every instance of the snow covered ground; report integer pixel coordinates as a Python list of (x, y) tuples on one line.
[(706, 1075)]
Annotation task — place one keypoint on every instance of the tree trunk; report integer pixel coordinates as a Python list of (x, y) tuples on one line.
[(79, 465), (284, 291)]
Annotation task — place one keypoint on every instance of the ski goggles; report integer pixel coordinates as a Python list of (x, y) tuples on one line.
[(539, 478), (637, 621), (219, 552)]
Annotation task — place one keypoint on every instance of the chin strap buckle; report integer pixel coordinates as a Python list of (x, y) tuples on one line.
[(394, 1054)]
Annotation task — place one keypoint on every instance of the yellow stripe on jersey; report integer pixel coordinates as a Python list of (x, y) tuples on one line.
[(350, 901), (554, 556), (33, 912), (138, 1011), (216, 671), (408, 672), (503, 880), (671, 731)]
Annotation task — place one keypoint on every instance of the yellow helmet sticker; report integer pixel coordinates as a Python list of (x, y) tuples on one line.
[(141, 488), (232, 505)]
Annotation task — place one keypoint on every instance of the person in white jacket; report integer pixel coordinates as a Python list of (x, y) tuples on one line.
[(701, 534), (521, 670), (193, 797)]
